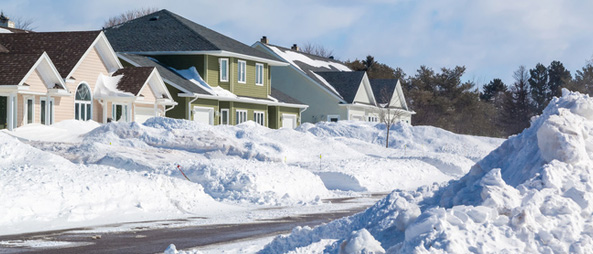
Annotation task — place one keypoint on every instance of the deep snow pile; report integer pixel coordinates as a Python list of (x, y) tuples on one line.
[(531, 195), (41, 190), (251, 163)]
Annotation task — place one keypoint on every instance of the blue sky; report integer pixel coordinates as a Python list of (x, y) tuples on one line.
[(490, 37)]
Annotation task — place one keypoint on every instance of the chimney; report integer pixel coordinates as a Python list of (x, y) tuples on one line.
[(264, 40), (5, 21), (295, 47)]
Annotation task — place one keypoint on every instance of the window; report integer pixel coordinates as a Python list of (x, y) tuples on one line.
[(47, 111), (241, 71), (224, 116), (333, 118), (373, 119), (258, 117), (82, 103), (241, 116), (224, 69), (119, 112), (29, 110), (259, 74)]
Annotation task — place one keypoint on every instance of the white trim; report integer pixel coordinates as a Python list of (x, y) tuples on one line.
[(241, 71), (257, 74), (26, 109), (222, 53), (228, 116), (237, 111), (92, 46), (220, 78), (52, 69), (126, 108), (245, 100), (49, 110), (263, 117), (210, 113), (284, 116), (90, 102)]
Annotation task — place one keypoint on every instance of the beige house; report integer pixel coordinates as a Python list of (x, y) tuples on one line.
[(50, 77)]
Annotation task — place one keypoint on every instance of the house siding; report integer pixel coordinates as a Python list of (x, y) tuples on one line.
[(179, 111), (35, 82), (250, 108), (87, 72), (321, 103)]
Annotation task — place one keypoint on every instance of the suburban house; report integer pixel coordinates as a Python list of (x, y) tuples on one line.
[(214, 78), (389, 95), (331, 89), (55, 76)]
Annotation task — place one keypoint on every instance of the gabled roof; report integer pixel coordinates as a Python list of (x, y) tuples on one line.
[(133, 78), (383, 89), (345, 82), (164, 31), (170, 76), (309, 64), (64, 48), (14, 67)]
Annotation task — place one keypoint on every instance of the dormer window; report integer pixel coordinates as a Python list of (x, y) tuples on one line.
[(224, 69)]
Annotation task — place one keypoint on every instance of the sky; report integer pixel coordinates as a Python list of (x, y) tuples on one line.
[(491, 38)]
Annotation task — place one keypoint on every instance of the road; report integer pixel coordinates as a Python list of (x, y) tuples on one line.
[(157, 240)]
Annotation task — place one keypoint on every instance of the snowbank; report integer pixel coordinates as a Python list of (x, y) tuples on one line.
[(40, 190), (531, 195)]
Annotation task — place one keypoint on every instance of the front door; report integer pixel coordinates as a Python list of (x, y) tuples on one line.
[(3, 112)]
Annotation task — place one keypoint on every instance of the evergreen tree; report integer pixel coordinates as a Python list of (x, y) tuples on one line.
[(539, 87), (492, 89), (517, 108), (583, 80), (558, 77)]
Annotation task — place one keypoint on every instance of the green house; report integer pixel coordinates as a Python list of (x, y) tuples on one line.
[(213, 78)]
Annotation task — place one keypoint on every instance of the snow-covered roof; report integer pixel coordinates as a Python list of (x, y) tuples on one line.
[(106, 87), (310, 65)]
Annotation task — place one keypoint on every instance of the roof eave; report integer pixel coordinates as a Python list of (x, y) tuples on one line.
[(211, 52)]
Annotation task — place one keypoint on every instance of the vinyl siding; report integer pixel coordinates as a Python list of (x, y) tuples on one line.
[(35, 82), (250, 108), (148, 94), (179, 111), (87, 72)]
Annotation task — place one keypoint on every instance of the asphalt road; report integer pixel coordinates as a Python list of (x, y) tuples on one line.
[(157, 240)]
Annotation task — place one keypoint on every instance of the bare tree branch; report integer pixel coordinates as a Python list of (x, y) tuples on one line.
[(388, 115), (318, 50), (127, 16)]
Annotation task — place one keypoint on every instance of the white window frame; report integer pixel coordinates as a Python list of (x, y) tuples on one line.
[(80, 104), (50, 110), (329, 117), (259, 117), (223, 62), (125, 109), (259, 74), (241, 71), (373, 119), (26, 109), (227, 116), (243, 114)]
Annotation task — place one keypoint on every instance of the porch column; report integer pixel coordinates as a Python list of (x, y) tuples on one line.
[(11, 103), (104, 111), (47, 110)]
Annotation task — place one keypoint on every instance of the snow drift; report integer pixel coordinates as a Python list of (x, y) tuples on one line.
[(531, 195)]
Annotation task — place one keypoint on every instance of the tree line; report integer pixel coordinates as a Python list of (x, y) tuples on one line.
[(442, 99)]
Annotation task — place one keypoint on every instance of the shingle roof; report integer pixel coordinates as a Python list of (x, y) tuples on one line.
[(165, 72), (345, 82), (133, 78), (14, 67), (282, 97), (380, 86), (166, 31), (64, 48), (309, 70)]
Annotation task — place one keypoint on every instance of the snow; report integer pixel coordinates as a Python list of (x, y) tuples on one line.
[(5, 31), (530, 195), (193, 75), (81, 174), (292, 57), (325, 83), (106, 87)]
